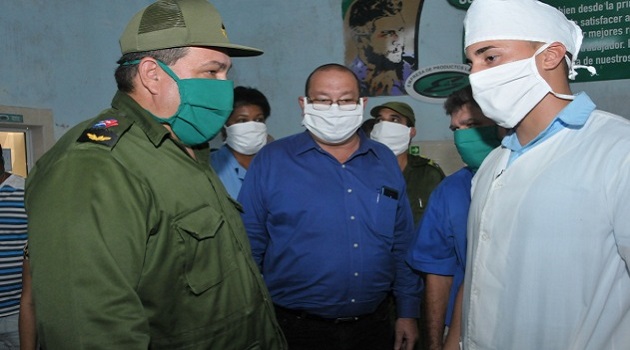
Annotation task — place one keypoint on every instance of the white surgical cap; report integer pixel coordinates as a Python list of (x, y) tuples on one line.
[(527, 20)]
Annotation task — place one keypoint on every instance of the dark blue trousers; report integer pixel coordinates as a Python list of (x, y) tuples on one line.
[(368, 332)]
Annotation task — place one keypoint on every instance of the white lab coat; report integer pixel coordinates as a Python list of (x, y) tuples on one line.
[(549, 244)]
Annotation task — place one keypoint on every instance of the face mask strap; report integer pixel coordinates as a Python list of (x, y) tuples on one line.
[(572, 72), (162, 65), (541, 49), (168, 71)]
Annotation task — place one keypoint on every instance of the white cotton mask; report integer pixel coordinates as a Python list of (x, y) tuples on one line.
[(508, 92), (334, 125), (246, 138), (393, 135)]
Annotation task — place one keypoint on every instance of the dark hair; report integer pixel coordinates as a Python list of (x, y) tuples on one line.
[(365, 12), (328, 67), (458, 99), (125, 72), (249, 96)]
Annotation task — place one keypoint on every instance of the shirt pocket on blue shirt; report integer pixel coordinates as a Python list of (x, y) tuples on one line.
[(208, 254), (386, 205)]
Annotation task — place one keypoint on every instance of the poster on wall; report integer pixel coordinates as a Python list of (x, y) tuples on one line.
[(380, 41), (606, 29)]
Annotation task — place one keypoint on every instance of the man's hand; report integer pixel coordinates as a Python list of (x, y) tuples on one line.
[(406, 333)]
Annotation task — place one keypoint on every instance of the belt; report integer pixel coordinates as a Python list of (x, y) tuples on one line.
[(301, 314)]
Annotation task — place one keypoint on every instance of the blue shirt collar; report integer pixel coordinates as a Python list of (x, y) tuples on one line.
[(573, 116), (576, 113), (305, 142), (231, 161)]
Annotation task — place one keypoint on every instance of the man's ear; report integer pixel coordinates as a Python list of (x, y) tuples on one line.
[(553, 56), (301, 102), (412, 133), (148, 74)]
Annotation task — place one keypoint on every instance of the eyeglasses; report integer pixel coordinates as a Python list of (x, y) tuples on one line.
[(324, 105)]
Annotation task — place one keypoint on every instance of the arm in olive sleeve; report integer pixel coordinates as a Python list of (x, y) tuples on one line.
[(87, 232)]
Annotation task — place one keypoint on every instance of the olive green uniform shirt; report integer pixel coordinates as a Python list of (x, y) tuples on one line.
[(422, 175), (136, 245)]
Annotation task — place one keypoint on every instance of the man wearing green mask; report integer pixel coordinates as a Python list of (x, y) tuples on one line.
[(439, 248), (134, 241)]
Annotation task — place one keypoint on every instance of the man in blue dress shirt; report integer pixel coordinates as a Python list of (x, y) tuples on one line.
[(330, 224)]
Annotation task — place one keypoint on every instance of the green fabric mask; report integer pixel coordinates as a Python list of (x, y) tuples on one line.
[(474, 144), (205, 105)]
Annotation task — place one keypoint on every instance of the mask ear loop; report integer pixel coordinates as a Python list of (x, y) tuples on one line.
[(562, 96), (572, 74), (577, 40), (573, 67)]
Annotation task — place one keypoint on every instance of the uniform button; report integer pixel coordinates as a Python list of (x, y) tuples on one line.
[(356, 274), (352, 300), (343, 166), (349, 190), (356, 245), (352, 217), (485, 237)]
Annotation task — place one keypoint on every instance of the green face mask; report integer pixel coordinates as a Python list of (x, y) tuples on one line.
[(205, 105), (474, 144)]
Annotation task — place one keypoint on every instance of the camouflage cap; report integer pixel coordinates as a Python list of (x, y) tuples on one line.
[(399, 107), (167, 24)]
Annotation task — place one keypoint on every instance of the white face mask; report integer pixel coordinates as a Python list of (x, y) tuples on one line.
[(333, 125), (508, 92), (246, 138), (393, 135)]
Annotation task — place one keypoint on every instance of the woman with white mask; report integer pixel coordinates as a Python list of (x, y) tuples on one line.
[(244, 134), (395, 127)]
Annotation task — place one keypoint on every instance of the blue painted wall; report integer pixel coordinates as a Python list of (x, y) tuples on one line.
[(61, 55)]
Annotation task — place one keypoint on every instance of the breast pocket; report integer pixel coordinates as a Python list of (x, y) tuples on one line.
[(385, 215), (208, 252)]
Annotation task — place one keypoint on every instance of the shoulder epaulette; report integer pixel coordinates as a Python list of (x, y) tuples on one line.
[(105, 131), (433, 163)]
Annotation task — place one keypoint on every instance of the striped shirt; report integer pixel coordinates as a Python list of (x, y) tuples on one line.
[(13, 234)]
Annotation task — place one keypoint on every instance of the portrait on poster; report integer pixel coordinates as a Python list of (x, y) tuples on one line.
[(380, 43)]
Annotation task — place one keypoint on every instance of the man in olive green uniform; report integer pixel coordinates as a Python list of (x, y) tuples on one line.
[(134, 242), (395, 127)]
